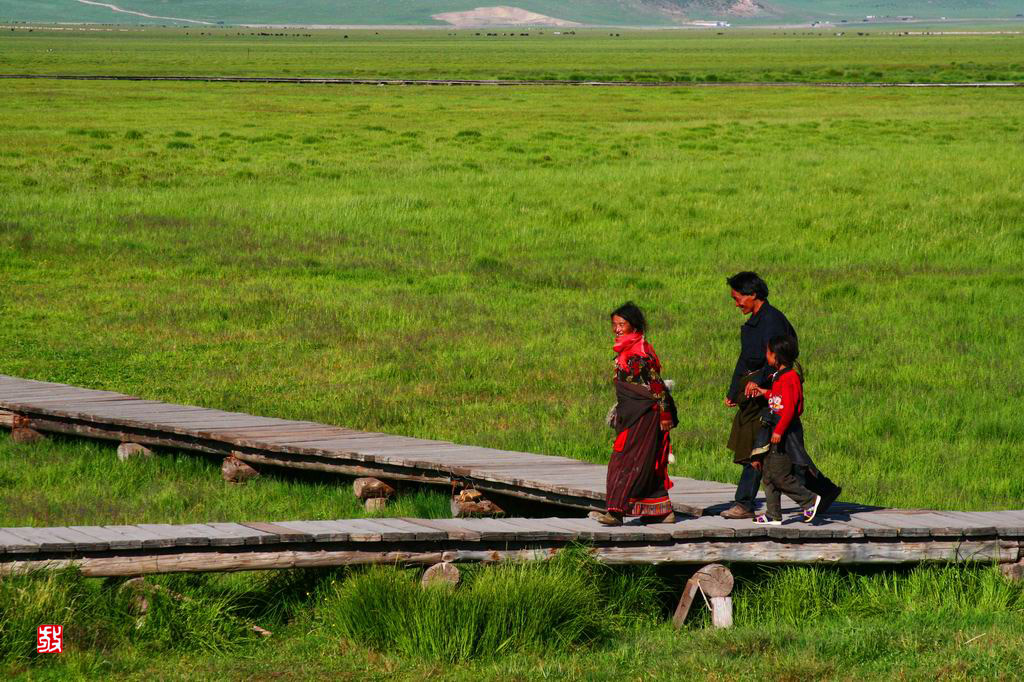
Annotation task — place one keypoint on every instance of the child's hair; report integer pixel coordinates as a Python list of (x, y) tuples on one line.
[(632, 314), (785, 348)]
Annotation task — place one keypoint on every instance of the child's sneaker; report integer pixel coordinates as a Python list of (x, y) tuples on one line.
[(812, 511), (763, 520)]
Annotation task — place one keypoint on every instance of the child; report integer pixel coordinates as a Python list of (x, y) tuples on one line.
[(786, 403)]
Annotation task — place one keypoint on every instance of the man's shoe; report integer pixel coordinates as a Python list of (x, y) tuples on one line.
[(737, 511), (827, 500)]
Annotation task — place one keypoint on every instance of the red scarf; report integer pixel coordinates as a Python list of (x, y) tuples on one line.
[(631, 344)]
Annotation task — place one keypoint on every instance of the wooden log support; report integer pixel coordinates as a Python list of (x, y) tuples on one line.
[(6, 419), (22, 431), (1013, 571), (234, 470), (375, 504), (369, 488), (442, 573), (721, 612), (716, 583), (374, 493), (199, 562), (472, 503), (126, 451)]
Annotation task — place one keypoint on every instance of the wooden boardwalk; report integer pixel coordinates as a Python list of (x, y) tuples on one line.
[(850, 533), (311, 446), (868, 537)]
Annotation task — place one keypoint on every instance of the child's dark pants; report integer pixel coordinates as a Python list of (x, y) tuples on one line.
[(778, 479)]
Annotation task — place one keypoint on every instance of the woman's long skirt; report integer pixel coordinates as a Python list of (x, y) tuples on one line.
[(638, 481)]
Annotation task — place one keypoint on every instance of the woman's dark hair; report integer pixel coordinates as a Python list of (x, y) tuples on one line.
[(785, 348), (632, 314), (748, 283)]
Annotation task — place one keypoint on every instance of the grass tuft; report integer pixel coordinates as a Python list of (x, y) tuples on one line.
[(567, 602)]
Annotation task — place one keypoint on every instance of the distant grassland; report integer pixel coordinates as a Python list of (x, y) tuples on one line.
[(683, 56), (420, 12), (441, 262)]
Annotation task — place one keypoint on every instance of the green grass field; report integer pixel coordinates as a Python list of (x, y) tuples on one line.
[(440, 263), (878, 55)]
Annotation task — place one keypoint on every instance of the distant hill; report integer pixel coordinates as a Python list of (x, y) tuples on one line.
[(479, 13)]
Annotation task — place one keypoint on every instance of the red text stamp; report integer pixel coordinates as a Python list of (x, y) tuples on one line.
[(50, 639)]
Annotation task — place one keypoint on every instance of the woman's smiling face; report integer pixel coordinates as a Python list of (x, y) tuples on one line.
[(620, 326)]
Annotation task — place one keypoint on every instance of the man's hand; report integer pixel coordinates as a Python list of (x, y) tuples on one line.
[(776, 438), (756, 464), (729, 402)]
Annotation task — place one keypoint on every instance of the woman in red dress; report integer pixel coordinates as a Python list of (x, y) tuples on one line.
[(638, 481)]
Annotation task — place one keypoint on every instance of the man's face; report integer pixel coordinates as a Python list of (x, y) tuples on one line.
[(745, 302)]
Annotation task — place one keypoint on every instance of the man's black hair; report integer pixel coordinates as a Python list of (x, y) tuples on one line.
[(632, 314), (748, 283), (785, 348)]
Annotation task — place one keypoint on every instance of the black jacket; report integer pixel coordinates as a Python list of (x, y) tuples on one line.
[(755, 333)]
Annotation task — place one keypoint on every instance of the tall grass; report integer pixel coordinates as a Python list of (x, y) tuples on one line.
[(796, 596), (539, 607), (199, 614)]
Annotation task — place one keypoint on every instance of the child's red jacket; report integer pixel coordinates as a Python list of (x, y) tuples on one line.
[(786, 399)]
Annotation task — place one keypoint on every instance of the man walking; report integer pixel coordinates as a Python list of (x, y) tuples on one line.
[(750, 294)]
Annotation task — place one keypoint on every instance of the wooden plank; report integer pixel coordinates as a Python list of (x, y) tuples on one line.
[(451, 527), (148, 538), (586, 530), (916, 525), (421, 533), (15, 544), (50, 403), (249, 535), (213, 536), (973, 526), (183, 536), (1007, 523), (20, 392), (525, 531), (870, 528), (43, 537), (318, 531), (115, 540), (491, 531), (716, 526), (83, 542), (361, 532), (540, 529), (630, 532)]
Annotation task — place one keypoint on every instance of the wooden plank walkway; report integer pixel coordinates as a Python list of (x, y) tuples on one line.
[(307, 445), (874, 537), (850, 533)]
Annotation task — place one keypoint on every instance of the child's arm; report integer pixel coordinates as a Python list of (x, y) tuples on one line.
[(755, 390)]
